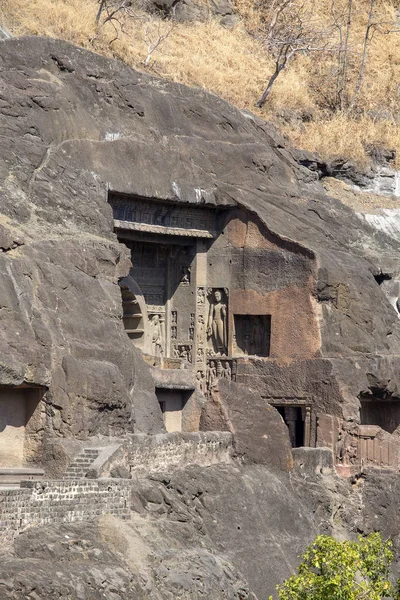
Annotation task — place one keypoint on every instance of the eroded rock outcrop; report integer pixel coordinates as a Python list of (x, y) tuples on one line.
[(78, 130), (75, 125)]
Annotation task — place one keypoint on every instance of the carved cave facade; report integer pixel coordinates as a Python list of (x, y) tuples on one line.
[(211, 289), (213, 293)]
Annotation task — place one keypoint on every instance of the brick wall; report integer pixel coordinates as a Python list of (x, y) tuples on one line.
[(47, 502)]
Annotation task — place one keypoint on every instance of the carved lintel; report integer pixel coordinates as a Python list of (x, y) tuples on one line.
[(157, 217), (153, 309)]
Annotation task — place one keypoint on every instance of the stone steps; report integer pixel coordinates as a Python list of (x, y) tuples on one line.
[(81, 464)]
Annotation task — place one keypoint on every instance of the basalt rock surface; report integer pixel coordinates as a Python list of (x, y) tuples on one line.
[(73, 126), (222, 532)]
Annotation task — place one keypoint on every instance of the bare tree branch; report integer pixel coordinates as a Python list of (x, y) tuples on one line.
[(370, 28), (119, 12), (343, 60), (154, 43), (292, 30)]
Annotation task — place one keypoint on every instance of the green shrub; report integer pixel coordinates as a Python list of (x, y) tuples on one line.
[(346, 570)]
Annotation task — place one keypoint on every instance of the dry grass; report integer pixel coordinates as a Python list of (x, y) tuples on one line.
[(233, 64), (341, 136)]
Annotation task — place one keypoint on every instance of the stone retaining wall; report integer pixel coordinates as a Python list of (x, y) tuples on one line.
[(47, 502), (174, 450), (142, 454)]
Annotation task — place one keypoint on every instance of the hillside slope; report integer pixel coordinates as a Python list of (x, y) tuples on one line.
[(236, 64)]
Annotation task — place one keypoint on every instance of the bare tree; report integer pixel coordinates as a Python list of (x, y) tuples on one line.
[(369, 32), (290, 30), (155, 36), (119, 12), (113, 10), (342, 19), (116, 13), (372, 27)]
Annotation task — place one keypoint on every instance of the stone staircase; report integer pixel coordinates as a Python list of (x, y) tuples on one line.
[(81, 464)]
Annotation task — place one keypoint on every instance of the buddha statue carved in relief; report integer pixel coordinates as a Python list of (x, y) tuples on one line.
[(216, 328)]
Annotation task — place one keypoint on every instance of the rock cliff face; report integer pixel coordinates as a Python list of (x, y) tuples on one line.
[(74, 127), (217, 533)]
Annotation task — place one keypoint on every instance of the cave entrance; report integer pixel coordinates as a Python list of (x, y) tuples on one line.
[(297, 418), (293, 419), (385, 413), (172, 403), (19, 419)]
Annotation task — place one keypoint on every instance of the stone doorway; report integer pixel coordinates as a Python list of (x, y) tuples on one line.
[(19, 408), (172, 403), (298, 421)]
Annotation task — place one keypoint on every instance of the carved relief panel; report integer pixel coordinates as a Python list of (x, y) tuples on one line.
[(181, 301), (219, 369), (183, 351), (252, 335), (217, 322)]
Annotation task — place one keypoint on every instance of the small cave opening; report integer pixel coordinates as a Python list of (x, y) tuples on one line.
[(381, 409), (172, 403), (381, 277), (293, 419)]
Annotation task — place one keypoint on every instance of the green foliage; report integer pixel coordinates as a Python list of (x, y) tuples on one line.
[(347, 570)]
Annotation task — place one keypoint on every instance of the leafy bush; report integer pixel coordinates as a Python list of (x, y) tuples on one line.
[(343, 570)]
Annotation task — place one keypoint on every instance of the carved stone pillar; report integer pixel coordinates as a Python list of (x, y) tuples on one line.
[(200, 316), (291, 418), (307, 426)]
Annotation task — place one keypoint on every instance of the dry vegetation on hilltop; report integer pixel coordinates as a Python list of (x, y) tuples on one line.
[(235, 64)]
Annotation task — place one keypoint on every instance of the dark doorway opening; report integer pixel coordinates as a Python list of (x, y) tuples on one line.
[(384, 413), (172, 403), (293, 418)]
